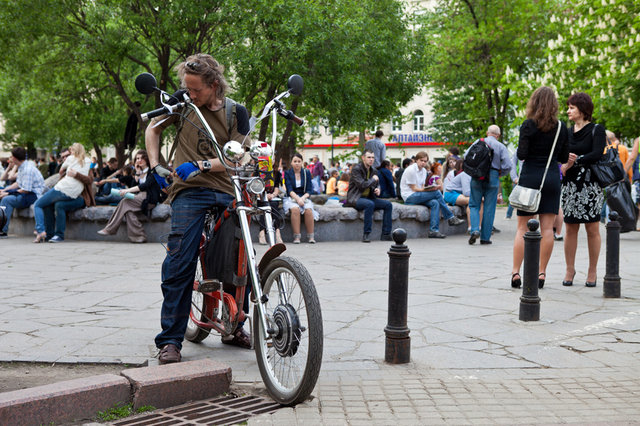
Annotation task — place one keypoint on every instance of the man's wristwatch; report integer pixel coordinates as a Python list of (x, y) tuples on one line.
[(206, 166)]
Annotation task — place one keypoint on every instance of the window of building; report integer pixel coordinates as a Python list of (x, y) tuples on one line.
[(397, 123), (418, 121)]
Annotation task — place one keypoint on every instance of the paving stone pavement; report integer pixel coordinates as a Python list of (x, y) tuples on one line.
[(472, 360)]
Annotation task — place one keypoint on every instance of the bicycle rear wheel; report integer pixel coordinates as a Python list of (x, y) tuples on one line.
[(290, 359), (199, 305)]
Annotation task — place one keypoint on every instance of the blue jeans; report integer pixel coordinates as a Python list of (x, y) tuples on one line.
[(487, 189), (19, 201), (54, 200), (435, 202), (369, 206), (509, 211), (179, 267)]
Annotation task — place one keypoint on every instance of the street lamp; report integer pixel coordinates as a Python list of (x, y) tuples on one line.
[(327, 128)]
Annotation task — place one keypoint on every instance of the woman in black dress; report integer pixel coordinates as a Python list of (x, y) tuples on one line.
[(582, 197), (537, 134)]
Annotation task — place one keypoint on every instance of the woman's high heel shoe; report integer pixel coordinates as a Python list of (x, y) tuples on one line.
[(516, 282), (541, 278), (40, 237), (570, 282), (591, 284)]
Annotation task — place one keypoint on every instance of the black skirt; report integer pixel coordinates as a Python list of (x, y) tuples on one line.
[(582, 197), (531, 176)]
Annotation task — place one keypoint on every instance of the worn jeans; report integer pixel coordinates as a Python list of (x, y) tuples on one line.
[(435, 201), (50, 212), (370, 205), (189, 208), (487, 189), (19, 201)]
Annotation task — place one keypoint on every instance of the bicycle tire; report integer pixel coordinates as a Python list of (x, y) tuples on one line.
[(289, 362), (193, 333)]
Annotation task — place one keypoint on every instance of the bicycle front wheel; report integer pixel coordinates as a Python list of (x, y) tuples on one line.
[(290, 358), (199, 306)]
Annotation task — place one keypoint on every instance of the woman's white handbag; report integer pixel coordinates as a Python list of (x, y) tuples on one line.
[(528, 199)]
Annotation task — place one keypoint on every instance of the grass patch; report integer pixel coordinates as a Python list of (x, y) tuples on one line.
[(121, 411)]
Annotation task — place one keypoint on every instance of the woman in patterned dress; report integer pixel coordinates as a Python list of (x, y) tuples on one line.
[(582, 196)]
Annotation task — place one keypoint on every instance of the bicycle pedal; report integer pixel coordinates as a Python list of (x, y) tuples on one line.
[(208, 286)]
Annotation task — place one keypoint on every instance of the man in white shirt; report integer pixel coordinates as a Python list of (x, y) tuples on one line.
[(412, 187)]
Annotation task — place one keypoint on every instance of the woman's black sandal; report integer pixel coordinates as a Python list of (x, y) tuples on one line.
[(516, 282), (570, 282), (541, 280)]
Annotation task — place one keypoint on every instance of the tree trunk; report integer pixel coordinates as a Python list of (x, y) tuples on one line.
[(264, 125), (98, 151), (287, 146)]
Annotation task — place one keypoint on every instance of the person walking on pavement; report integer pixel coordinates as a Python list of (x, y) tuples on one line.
[(488, 188), (201, 182), (378, 148), (414, 191), (363, 195)]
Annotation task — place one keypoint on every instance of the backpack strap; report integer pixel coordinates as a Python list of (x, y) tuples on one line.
[(230, 109)]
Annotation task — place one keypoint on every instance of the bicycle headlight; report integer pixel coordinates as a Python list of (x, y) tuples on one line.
[(260, 149), (256, 186), (233, 151)]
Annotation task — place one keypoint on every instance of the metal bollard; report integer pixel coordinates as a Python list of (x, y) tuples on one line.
[(529, 301), (611, 287), (398, 343)]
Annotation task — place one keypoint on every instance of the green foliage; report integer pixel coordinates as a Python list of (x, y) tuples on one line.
[(67, 66), (595, 51), (120, 411), (472, 46)]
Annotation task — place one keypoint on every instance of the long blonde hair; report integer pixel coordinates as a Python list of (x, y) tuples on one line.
[(78, 151)]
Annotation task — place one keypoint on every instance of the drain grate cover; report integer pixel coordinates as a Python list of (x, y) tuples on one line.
[(223, 410)]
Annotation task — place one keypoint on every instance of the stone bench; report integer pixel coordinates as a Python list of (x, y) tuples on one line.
[(336, 223), (84, 224)]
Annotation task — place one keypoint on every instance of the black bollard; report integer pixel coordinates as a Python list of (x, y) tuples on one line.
[(3, 217), (529, 301), (398, 343), (611, 287)]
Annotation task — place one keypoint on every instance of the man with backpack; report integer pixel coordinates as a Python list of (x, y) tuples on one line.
[(485, 161)]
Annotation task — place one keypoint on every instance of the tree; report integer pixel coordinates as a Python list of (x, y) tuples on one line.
[(357, 59), (595, 51), (471, 45)]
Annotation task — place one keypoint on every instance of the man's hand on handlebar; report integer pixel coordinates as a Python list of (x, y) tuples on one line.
[(161, 174), (188, 170)]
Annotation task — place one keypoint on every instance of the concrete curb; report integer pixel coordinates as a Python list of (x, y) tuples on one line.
[(160, 386)]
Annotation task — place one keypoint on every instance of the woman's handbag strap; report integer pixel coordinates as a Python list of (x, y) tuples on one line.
[(553, 148)]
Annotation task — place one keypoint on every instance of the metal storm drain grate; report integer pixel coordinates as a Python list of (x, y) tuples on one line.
[(218, 411)]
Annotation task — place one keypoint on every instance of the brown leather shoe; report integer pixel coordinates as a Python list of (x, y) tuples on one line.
[(238, 338), (169, 354)]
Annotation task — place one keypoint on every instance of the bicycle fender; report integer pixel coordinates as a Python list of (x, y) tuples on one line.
[(271, 254)]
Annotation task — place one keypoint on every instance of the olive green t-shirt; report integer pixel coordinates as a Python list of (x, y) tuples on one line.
[(193, 146)]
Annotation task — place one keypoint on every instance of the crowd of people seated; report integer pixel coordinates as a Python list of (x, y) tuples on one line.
[(72, 180)]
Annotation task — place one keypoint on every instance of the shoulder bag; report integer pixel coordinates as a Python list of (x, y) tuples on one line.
[(609, 169), (528, 199)]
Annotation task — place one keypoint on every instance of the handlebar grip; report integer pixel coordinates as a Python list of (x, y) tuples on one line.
[(151, 114), (168, 109), (289, 115)]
